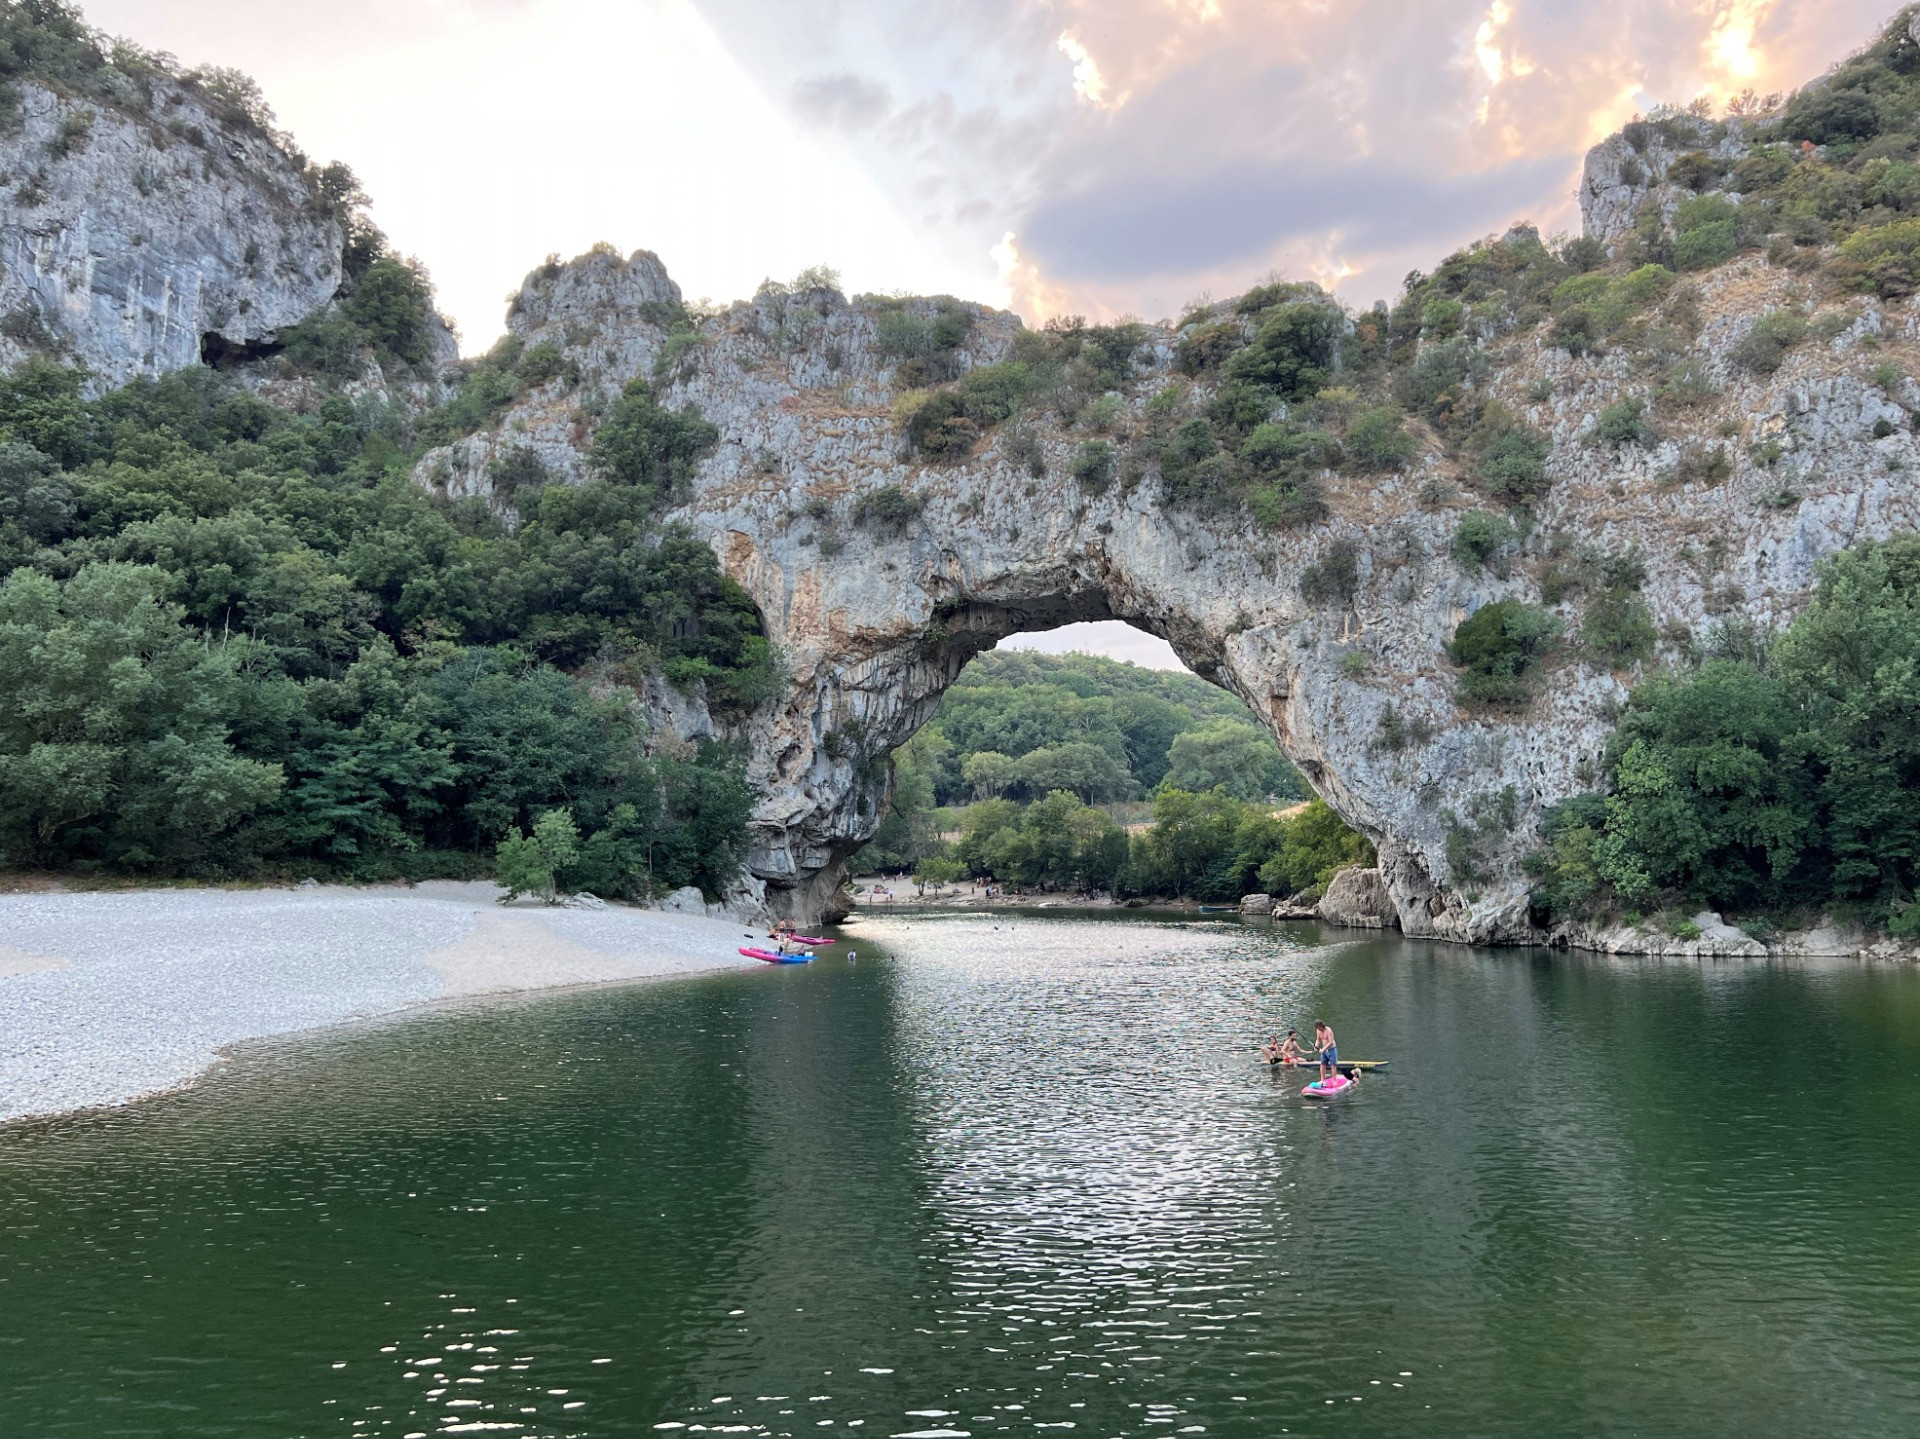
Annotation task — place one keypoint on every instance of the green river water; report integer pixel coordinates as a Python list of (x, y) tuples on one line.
[(1006, 1177)]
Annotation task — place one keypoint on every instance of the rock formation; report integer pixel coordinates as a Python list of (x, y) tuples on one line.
[(876, 619), (143, 235), (151, 233)]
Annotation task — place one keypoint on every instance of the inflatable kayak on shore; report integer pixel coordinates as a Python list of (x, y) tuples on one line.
[(767, 956)]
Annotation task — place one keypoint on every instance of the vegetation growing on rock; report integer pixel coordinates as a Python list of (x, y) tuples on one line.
[(1765, 782)]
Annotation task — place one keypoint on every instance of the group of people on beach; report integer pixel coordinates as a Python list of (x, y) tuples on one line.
[(1326, 1053), (786, 939)]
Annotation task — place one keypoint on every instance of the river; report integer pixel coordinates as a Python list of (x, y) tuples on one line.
[(1008, 1175)]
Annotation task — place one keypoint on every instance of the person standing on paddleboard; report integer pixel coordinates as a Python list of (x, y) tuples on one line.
[(1329, 1051)]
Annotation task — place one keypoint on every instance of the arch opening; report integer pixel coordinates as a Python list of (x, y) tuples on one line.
[(1058, 762), (977, 707)]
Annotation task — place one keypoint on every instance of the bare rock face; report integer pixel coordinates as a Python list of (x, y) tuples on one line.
[(1358, 899), (139, 238), (877, 612), (1627, 172), (610, 318)]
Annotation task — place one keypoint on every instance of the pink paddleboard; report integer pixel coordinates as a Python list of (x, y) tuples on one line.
[(1327, 1088)]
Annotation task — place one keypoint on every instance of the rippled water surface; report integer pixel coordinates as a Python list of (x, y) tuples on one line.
[(1003, 1179)]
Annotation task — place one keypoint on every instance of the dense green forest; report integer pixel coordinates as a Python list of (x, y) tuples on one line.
[(239, 641), (1775, 779), (1006, 780), (1019, 724)]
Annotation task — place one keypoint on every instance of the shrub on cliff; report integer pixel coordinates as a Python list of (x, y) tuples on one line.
[(1708, 232), (1440, 379), (1510, 456), (1334, 578), (1204, 348), (1831, 112), (1092, 465), (1884, 260), (1624, 422), (1618, 628), (1294, 351), (1484, 542), (888, 511), (1763, 349), (1500, 649), (1376, 440), (643, 444)]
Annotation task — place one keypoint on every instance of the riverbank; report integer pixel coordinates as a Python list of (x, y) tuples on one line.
[(110, 996)]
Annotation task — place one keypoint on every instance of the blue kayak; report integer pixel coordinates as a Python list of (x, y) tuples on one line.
[(767, 956)]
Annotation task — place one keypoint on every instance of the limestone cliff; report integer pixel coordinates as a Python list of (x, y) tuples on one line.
[(140, 234), (876, 619)]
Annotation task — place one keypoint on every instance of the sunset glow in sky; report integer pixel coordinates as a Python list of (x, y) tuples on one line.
[(1102, 157), (1093, 156)]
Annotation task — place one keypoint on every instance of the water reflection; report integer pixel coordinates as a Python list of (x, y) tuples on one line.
[(1008, 1180)]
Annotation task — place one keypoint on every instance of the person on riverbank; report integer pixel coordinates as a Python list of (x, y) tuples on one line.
[(1329, 1050)]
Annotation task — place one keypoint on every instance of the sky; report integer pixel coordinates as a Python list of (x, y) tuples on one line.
[(1096, 157)]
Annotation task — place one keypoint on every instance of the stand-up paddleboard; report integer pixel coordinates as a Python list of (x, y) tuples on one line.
[(1328, 1088), (767, 956), (810, 939), (1344, 1065)]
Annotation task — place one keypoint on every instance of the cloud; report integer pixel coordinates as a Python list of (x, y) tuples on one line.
[(1156, 144), (841, 102), (1196, 222)]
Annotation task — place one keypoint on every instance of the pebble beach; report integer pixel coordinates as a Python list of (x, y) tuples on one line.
[(107, 997)]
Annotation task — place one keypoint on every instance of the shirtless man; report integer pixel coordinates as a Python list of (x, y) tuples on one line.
[(1329, 1051)]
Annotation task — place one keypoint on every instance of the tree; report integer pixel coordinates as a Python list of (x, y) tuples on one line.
[(1315, 845), (1087, 770), (988, 773), (1226, 754), (642, 444), (527, 863), (938, 872), (393, 305), (115, 741), (1293, 352)]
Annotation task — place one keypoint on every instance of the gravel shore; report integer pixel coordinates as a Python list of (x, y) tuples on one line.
[(106, 997)]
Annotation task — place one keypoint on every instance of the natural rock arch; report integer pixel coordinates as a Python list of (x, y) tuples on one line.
[(876, 615)]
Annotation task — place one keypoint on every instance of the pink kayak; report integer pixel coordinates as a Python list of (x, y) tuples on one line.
[(768, 956), (1328, 1088), (809, 939)]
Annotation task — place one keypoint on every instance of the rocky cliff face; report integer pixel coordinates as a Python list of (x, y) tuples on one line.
[(138, 237), (876, 620)]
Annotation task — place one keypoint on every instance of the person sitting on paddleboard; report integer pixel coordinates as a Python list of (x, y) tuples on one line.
[(1270, 1051), (1329, 1051), (1290, 1052)]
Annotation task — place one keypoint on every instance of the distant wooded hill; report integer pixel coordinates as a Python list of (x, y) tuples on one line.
[(1019, 725)]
